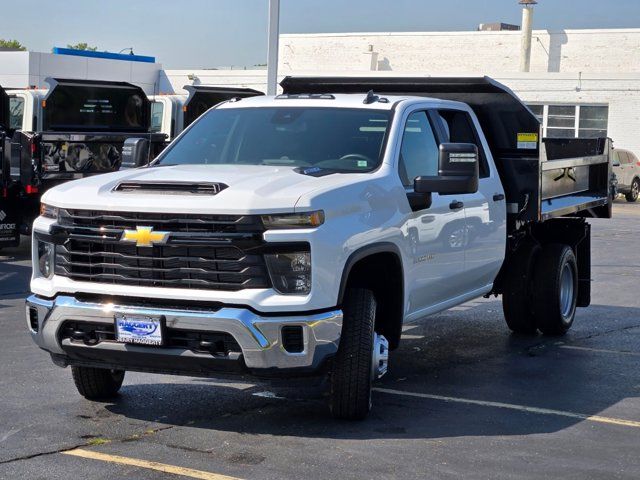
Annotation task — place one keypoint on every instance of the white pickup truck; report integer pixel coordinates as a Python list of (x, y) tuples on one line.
[(292, 236)]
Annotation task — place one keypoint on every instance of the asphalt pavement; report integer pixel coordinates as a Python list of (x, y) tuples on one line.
[(463, 398)]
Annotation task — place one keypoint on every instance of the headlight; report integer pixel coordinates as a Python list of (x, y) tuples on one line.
[(48, 211), (294, 220), (45, 258), (290, 272)]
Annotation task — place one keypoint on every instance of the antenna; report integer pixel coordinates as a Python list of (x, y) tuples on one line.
[(370, 98)]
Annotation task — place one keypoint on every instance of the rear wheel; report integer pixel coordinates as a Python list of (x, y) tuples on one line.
[(633, 194), (97, 383), (516, 298), (555, 289), (362, 357)]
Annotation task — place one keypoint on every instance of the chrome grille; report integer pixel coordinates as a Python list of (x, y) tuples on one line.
[(205, 252)]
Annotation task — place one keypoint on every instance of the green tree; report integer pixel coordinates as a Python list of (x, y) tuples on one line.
[(12, 44), (82, 46)]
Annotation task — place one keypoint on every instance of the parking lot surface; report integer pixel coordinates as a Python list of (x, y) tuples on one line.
[(463, 398)]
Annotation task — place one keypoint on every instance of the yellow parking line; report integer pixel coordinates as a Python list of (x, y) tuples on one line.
[(136, 462), (510, 406), (600, 350)]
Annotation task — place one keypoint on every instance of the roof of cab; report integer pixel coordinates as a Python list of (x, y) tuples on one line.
[(340, 100)]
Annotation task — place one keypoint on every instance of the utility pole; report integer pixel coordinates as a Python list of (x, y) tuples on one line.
[(527, 33), (272, 49)]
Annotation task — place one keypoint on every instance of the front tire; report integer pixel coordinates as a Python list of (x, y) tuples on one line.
[(351, 377), (555, 289), (97, 383), (633, 194)]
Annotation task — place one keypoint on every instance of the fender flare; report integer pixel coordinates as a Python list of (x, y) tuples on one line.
[(362, 253)]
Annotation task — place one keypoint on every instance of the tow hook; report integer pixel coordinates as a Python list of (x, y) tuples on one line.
[(380, 356)]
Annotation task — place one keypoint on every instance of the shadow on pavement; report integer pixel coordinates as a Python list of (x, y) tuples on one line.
[(446, 356)]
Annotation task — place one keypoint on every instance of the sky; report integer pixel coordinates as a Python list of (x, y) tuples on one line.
[(221, 33)]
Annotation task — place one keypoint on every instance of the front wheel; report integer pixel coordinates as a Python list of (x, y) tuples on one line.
[(97, 383), (555, 289), (362, 357), (633, 194)]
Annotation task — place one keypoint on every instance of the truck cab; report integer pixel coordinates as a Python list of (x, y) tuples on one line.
[(171, 114), (292, 236)]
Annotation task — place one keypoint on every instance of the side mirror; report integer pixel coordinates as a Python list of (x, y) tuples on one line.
[(458, 171), (135, 153)]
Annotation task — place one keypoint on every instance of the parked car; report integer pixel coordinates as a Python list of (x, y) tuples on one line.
[(290, 237), (626, 166)]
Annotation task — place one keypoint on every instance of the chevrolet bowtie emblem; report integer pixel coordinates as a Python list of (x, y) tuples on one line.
[(145, 237)]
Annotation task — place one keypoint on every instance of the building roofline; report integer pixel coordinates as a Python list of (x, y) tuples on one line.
[(585, 31)]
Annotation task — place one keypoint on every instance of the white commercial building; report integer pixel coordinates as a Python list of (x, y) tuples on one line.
[(582, 82)]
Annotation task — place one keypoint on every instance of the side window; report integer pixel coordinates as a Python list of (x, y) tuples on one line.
[(625, 158), (419, 151), (16, 112), (616, 158), (460, 129), (157, 108)]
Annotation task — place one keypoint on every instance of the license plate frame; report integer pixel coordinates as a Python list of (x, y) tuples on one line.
[(144, 330)]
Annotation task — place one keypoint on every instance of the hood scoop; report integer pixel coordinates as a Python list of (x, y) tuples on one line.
[(171, 188)]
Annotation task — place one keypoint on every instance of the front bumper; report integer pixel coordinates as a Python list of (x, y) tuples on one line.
[(259, 337)]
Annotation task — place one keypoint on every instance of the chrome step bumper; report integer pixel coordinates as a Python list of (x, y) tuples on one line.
[(259, 337)]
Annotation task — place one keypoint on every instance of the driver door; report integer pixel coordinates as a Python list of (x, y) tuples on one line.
[(435, 235)]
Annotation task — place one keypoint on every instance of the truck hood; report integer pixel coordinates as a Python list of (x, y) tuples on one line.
[(250, 189)]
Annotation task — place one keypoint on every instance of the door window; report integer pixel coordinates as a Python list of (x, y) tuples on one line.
[(459, 128), (616, 158), (419, 151), (16, 112), (157, 108), (624, 157)]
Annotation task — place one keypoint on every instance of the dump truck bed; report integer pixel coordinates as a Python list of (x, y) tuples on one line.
[(542, 178)]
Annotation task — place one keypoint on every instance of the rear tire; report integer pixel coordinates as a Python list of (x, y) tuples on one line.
[(351, 377), (516, 298), (633, 194), (97, 383), (555, 289)]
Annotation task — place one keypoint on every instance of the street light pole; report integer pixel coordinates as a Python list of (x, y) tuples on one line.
[(272, 49), (527, 30)]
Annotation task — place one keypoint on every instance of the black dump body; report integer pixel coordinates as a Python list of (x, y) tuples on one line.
[(95, 106), (202, 97), (85, 125), (538, 174)]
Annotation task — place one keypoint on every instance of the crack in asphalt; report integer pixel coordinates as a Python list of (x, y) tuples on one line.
[(131, 438), (89, 443), (42, 454)]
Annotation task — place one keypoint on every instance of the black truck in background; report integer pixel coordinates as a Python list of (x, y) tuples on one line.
[(80, 128), (9, 235)]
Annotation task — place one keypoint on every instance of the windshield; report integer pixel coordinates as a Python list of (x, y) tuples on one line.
[(340, 139)]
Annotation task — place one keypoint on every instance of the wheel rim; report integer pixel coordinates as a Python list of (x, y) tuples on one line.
[(379, 356), (566, 290), (635, 189)]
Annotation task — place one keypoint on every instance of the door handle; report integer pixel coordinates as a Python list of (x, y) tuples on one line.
[(498, 197), (456, 205)]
